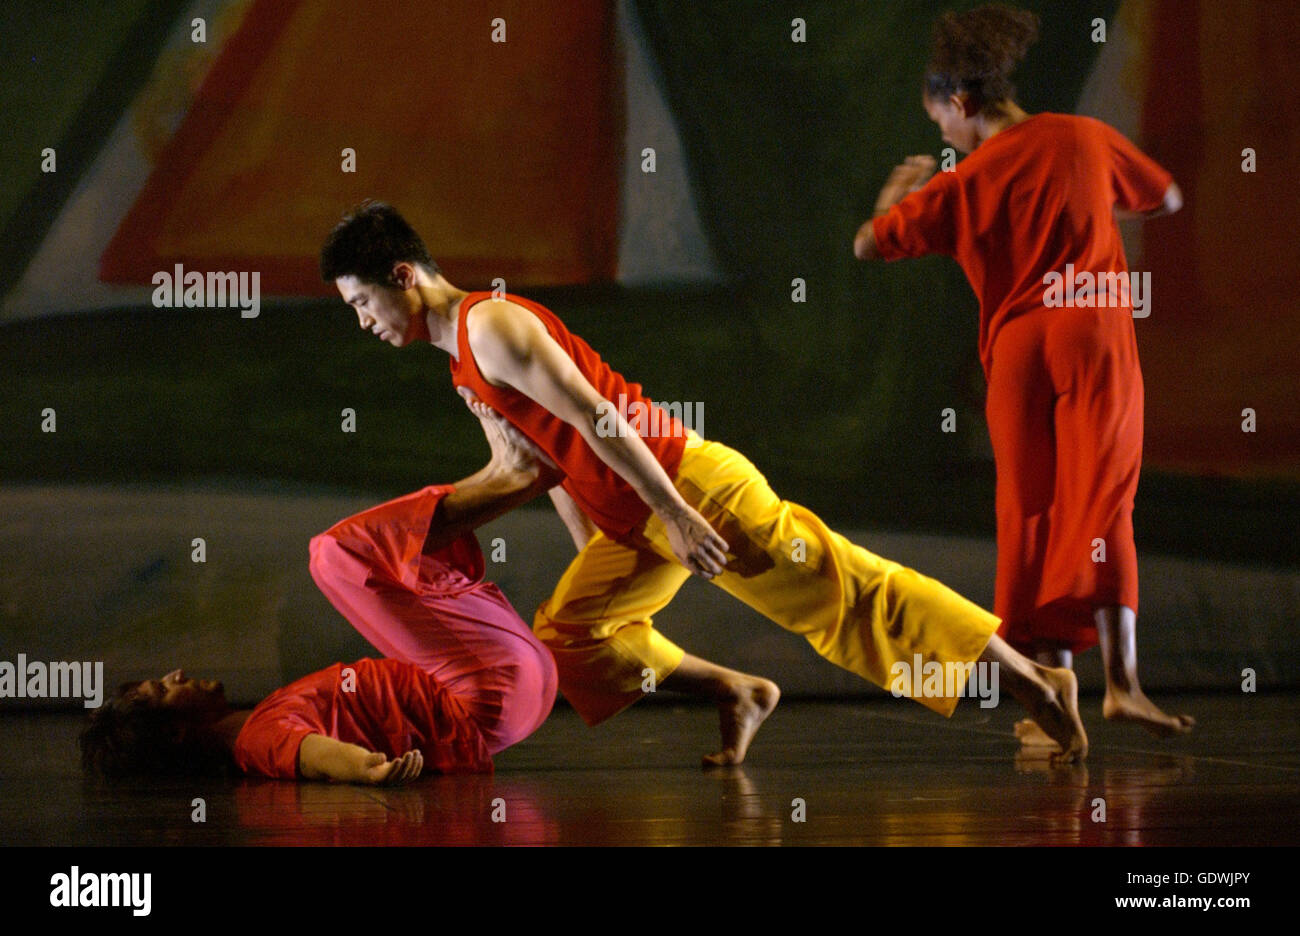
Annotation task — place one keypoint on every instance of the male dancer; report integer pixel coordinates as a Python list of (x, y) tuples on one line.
[(665, 509)]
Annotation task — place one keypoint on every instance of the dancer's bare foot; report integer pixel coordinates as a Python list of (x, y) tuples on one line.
[(1049, 693), (1135, 707), (1056, 710), (743, 701), (1031, 736), (747, 702), (1125, 701)]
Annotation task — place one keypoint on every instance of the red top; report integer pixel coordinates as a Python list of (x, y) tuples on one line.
[(384, 705), (608, 500), (1028, 201)]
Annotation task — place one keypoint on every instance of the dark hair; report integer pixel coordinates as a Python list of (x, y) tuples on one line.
[(129, 736), (368, 242), (975, 52)]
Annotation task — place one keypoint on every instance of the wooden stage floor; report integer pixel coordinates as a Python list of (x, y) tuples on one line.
[(870, 772)]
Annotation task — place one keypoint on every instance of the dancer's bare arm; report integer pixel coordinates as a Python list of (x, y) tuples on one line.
[(513, 348), (517, 473), (905, 179), (324, 758), (576, 522), (515, 455)]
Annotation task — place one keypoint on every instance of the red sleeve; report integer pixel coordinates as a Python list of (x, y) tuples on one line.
[(922, 223), (268, 744), (1138, 181)]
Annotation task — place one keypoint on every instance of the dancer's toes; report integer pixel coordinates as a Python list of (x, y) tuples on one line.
[(1137, 708), (749, 701)]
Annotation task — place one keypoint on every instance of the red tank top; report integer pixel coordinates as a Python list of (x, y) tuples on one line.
[(608, 500)]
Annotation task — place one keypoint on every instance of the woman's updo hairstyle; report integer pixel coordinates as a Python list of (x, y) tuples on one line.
[(975, 52)]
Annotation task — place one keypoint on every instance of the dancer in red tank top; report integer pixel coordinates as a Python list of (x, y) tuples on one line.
[(666, 504), (1030, 215), (599, 492)]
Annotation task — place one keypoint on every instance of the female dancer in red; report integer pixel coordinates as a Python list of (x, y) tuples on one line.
[(1030, 215)]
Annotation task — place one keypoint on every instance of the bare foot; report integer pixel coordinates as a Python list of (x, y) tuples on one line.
[(1056, 710), (1031, 736), (1136, 707), (748, 702)]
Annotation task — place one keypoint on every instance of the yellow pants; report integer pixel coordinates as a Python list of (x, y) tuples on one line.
[(859, 611)]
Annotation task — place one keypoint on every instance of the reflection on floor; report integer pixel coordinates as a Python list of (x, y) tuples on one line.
[(876, 772)]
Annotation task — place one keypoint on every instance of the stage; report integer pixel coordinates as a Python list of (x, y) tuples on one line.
[(870, 772)]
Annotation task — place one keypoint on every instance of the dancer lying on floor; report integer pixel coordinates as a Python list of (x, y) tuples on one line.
[(465, 677)]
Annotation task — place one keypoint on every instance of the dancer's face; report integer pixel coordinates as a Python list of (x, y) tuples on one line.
[(183, 694), (958, 128), (393, 313)]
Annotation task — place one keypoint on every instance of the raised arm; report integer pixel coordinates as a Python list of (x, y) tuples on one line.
[(908, 177), (513, 348), (324, 758)]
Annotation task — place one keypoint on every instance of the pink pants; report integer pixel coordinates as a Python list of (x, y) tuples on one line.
[(437, 613)]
